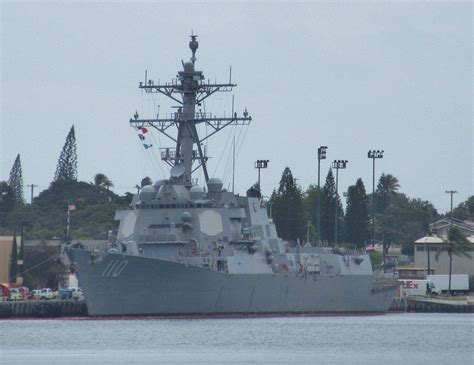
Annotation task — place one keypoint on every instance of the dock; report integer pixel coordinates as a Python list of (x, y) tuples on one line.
[(43, 309), (433, 305)]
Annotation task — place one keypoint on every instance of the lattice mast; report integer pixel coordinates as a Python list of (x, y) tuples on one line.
[(192, 88)]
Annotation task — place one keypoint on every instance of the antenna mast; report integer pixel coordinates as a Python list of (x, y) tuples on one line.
[(189, 90)]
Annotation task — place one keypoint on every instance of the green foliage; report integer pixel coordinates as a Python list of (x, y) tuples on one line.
[(93, 217), (101, 180), (7, 203), (376, 258), (254, 191), (465, 210), (310, 201), (387, 187), (43, 267), (16, 180), (145, 181), (357, 215), (330, 201), (66, 169), (287, 208), (456, 244), (403, 221)]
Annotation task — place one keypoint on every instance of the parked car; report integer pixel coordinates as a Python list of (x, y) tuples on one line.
[(46, 293), (15, 294), (35, 294), (65, 294), (77, 293)]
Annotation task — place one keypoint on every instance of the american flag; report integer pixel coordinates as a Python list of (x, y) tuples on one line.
[(71, 207)]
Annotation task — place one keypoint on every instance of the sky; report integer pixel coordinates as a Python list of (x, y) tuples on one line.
[(394, 76)]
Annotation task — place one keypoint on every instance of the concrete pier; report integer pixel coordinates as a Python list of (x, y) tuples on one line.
[(43, 309), (431, 305)]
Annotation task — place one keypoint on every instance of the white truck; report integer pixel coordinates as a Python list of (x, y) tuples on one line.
[(459, 283), (419, 287), (46, 293)]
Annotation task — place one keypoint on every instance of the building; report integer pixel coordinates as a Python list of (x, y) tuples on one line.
[(427, 247), (440, 228), (6, 244)]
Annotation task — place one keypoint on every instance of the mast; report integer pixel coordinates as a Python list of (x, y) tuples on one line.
[(188, 90)]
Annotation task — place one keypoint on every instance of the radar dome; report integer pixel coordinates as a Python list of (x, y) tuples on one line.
[(147, 193), (188, 67), (215, 185)]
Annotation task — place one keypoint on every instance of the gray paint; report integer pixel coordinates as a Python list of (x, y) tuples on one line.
[(187, 251)]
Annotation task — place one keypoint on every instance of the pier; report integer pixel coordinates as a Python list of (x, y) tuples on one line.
[(43, 309), (432, 305)]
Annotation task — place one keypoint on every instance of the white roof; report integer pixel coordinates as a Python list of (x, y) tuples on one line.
[(435, 239)]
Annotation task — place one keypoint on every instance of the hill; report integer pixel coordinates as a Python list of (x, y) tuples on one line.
[(92, 218)]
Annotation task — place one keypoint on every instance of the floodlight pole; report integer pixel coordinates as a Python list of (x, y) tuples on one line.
[(374, 154), (321, 156), (337, 164), (261, 164)]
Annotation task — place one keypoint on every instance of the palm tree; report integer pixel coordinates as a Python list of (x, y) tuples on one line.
[(456, 244), (388, 184), (145, 181), (101, 180), (387, 189)]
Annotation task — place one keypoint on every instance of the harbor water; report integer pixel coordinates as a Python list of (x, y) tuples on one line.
[(411, 338)]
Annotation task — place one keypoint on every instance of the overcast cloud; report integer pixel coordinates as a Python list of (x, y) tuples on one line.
[(392, 76)]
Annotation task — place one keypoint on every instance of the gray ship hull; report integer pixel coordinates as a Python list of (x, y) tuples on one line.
[(120, 285)]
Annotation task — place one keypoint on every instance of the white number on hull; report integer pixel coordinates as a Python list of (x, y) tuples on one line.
[(114, 268)]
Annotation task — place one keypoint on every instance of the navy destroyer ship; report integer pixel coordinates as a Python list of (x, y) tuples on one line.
[(185, 249)]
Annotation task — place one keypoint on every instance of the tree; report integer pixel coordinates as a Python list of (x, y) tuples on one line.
[(456, 244), (387, 187), (329, 201), (7, 202), (14, 261), (100, 180), (388, 184), (465, 210), (16, 180), (404, 221), (66, 169), (357, 214), (254, 191), (287, 208), (43, 269), (310, 201), (145, 181)]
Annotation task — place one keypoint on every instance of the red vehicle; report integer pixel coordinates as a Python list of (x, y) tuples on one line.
[(19, 292)]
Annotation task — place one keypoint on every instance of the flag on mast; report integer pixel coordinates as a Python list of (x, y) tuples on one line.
[(71, 207)]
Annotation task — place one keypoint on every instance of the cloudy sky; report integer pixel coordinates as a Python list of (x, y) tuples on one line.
[(394, 76)]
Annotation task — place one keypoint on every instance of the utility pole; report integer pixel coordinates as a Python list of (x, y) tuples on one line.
[(32, 186), (261, 164), (374, 154), (337, 164), (321, 156), (451, 192)]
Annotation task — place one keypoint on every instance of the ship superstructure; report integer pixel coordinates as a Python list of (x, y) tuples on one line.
[(187, 249)]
